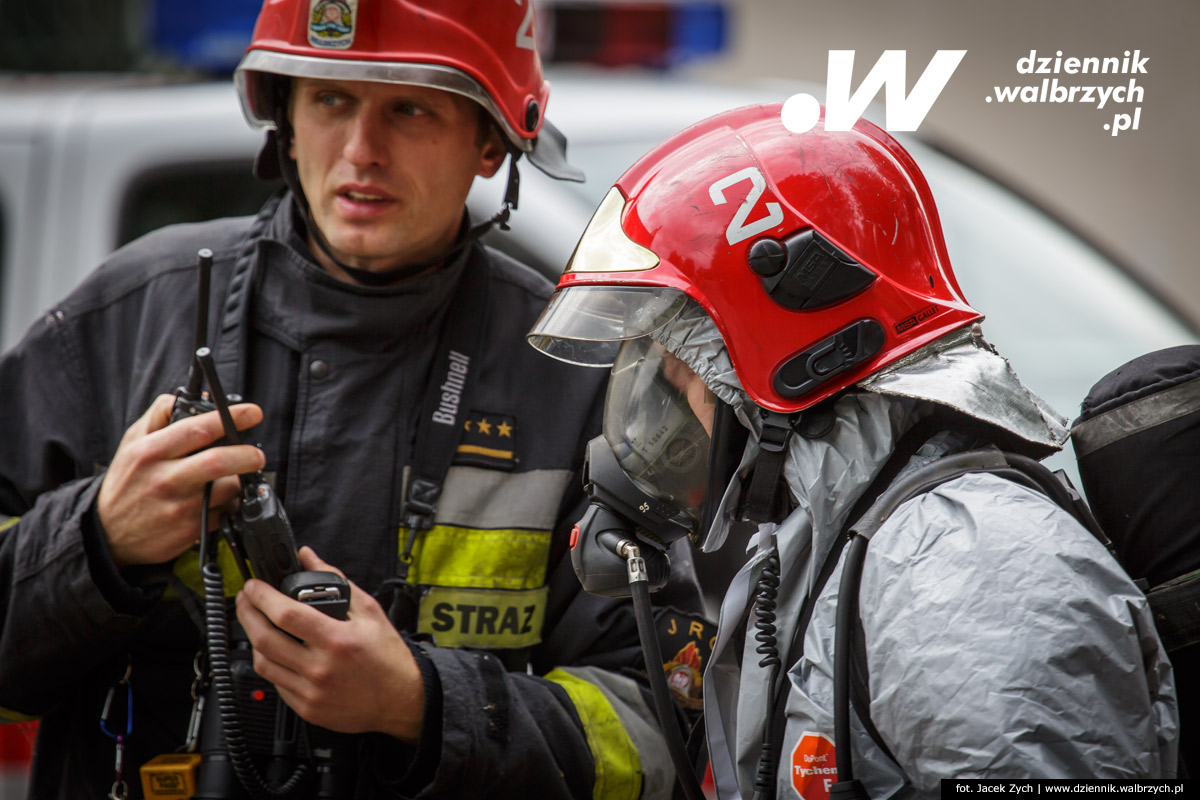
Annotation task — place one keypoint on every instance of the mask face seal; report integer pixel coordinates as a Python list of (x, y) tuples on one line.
[(659, 471), (658, 420)]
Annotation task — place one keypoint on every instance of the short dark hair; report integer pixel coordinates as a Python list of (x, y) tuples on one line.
[(486, 126)]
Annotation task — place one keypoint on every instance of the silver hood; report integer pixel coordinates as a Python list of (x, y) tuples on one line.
[(961, 371)]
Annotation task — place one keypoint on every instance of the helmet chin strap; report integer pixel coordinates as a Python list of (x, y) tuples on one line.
[(760, 501), (764, 497), (287, 169)]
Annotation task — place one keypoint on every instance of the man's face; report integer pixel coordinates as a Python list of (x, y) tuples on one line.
[(699, 397), (386, 168)]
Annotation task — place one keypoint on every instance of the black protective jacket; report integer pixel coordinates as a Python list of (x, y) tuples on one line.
[(528, 693)]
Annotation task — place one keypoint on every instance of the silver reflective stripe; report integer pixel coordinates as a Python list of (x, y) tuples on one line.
[(14, 783), (434, 76), (491, 499), (1135, 417)]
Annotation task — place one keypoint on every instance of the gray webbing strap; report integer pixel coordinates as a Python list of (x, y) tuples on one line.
[(1135, 417)]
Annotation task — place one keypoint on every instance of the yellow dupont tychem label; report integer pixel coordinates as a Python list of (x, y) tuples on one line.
[(172, 775)]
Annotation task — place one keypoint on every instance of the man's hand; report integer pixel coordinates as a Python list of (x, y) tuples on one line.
[(150, 498), (350, 676)]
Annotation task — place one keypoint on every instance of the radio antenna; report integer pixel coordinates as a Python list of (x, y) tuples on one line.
[(204, 259)]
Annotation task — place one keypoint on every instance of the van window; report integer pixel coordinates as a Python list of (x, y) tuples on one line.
[(190, 193)]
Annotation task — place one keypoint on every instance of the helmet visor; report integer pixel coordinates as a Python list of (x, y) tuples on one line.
[(658, 420), (588, 324)]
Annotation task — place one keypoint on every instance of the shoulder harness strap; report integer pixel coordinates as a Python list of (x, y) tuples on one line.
[(229, 350), (439, 427)]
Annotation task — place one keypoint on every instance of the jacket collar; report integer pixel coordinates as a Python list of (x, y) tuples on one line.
[(289, 279)]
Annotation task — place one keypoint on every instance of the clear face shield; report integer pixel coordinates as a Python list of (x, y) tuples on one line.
[(651, 476), (659, 463)]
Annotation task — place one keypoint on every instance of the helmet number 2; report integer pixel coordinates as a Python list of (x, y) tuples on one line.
[(525, 32), (739, 230)]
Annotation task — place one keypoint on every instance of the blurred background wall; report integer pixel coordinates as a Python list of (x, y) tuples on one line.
[(1135, 195)]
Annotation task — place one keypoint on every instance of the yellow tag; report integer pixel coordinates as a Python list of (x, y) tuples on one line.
[(172, 775), (488, 618)]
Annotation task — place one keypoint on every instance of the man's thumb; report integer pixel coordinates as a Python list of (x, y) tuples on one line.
[(311, 561)]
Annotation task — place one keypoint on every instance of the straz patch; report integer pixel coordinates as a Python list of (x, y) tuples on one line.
[(917, 318), (687, 642), (488, 440), (814, 766), (493, 619), (331, 23)]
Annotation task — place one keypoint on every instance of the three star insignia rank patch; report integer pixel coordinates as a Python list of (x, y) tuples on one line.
[(488, 440)]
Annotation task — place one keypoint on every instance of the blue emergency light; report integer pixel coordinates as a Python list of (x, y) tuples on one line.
[(208, 35)]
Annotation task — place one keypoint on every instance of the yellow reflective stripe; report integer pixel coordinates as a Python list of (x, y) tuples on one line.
[(7, 715), (492, 619), (618, 765), (447, 555), (486, 451), (187, 569), (8, 523)]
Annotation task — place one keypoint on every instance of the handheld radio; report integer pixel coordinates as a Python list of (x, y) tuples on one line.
[(251, 745)]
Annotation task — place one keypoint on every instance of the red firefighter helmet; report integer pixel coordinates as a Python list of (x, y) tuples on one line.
[(818, 255), (484, 51)]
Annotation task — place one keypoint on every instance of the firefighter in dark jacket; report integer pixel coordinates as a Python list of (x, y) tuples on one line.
[(470, 664)]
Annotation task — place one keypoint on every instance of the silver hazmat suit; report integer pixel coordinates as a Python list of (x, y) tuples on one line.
[(1002, 640)]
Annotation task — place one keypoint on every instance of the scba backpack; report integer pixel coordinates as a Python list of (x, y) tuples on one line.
[(1137, 443)]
